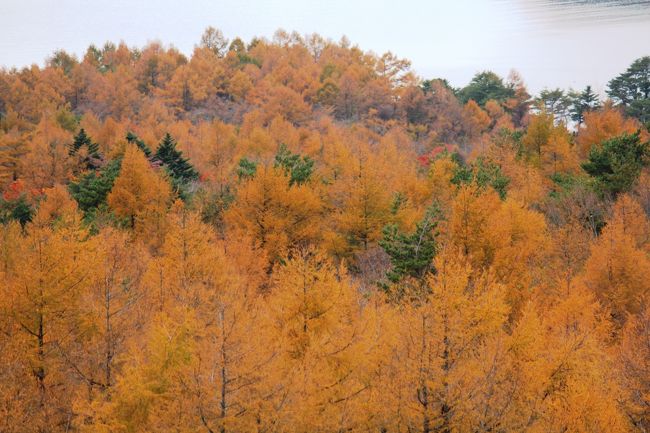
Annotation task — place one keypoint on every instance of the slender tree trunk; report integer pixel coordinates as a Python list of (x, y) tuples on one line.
[(109, 337), (224, 371)]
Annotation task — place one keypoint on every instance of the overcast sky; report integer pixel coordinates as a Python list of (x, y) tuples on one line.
[(550, 43)]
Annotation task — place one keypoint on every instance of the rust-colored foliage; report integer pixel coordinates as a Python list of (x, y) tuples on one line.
[(261, 295)]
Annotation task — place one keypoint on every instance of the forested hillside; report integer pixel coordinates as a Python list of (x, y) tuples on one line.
[(296, 235)]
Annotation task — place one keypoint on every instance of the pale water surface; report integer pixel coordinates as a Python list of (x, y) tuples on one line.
[(565, 43)]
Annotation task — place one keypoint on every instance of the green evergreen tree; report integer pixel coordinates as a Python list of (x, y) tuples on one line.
[(246, 169), (583, 102), (18, 210), (617, 163), (92, 189), (132, 138), (411, 254), (299, 169), (483, 172), (555, 102), (485, 86), (179, 168), (632, 89), (82, 139)]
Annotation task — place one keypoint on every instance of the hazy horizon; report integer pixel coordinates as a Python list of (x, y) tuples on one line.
[(561, 43)]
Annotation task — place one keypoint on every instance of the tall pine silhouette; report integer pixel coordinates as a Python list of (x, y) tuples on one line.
[(132, 138), (82, 139), (178, 166)]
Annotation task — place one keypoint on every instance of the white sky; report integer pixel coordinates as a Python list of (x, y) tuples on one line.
[(549, 45)]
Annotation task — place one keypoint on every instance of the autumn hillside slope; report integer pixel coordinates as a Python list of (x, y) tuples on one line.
[(296, 235)]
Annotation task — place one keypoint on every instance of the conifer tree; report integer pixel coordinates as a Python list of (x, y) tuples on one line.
[(82, 139), (298, 169), (412, 254), (617, 163), (140, 196), (179, 167), (246, 168), (582, 102), (12, 151), (93, 188), (132, 138), (484, 173)]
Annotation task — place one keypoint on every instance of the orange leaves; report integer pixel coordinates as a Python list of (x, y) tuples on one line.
[(618, 270), (234, 309), (316, 314), (277, 216), (140, 195), (602, 125), (478, 120)]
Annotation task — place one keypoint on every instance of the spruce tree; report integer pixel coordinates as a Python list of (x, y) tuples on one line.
[(631, 89), (411, 254), (92, 189), (246, 169), (483, 173), (82, 139), (178, 167), (132, 138), (17, 209), (583, 102), (299, 169), (616, 163)]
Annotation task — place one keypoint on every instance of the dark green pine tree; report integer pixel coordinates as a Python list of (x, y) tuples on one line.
[(132, 138), (18, 210), (632, 89), (246, 169), (583, 102), (411, 254), (617, 162), (82, 139), (483, 173), (299, 169), (92, 189), (178, 167)]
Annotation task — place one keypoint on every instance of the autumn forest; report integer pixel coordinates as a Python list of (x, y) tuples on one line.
[(296, 235)]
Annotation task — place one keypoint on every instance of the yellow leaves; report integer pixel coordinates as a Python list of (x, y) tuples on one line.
[(316, 314), (189, 270), (473, 297), (47, 162), (140, 196), (600, 126), (468, 224), (441, 172), (630, 218), (478, 120), (361, 199), (618, 271), (632, 355), (314, 301), (549, 146), (150, 395), (520, 242), (41, 302), (254, 324), (559, 155), (445, 342), (12, 151), (58, 209), (561, 367), (503, 236), (277, 216), (239, 85)]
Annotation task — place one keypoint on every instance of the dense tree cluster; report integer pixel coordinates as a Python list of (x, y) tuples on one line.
[(295, 235)]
